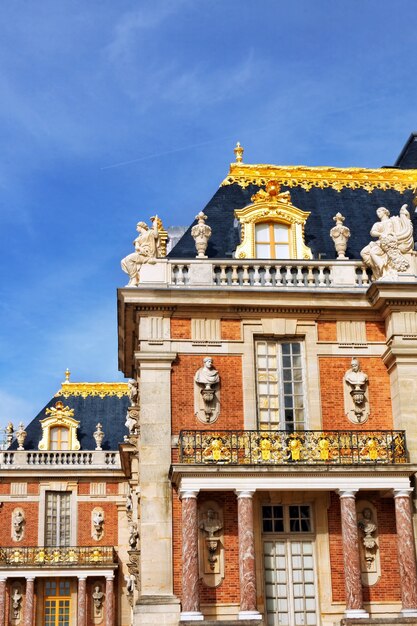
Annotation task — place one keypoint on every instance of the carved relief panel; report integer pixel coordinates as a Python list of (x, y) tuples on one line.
[(211, 543), (97, 602), (368, 542)]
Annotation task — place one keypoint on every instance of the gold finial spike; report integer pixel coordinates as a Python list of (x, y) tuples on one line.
[(238, 152), (67, 375)]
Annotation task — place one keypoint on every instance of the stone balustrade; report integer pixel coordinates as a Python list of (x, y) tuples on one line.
[(20, 459), (256, 274)]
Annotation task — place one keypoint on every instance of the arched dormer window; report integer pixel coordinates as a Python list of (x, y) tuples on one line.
[(59, 429), (272, 227)]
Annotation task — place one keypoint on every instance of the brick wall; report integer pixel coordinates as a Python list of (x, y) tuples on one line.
[(180, 328), (332, 371), (230, 329), (30, 510), (110, 537), (182, 393), (326, 331), (375, 331), (387, 589), (229, 589)]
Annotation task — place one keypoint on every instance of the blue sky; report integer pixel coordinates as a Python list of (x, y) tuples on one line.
[(112, 111)]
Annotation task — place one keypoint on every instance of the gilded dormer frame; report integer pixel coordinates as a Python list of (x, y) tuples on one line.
[(62, 416), (272, 205)]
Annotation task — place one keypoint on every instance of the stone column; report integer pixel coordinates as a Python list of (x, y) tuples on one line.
[(29, 602), (2, 601), (351, 558), (109, 621), (190, 581), (247, 574), (406, 551), (82, 601)]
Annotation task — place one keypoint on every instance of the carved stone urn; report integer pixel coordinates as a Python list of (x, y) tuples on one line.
[(21, 436)]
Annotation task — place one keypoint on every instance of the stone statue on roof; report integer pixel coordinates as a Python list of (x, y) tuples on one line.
[(146, 250), (387, 256)]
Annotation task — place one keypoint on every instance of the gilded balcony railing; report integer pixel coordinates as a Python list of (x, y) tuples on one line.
[(261, 447), (57, 556)]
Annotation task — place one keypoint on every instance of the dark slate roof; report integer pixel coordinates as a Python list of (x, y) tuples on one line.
[(357, 205), (110, 411), (408, 157)]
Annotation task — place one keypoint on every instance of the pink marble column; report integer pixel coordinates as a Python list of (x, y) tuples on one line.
[(29, 602), (190, 591), (2, 602), (351, 558), (82, 602), (406, 551), (247, 574), (109, 601)]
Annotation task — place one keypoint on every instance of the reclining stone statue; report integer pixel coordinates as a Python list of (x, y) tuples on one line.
[(146, 250), (386, 256)]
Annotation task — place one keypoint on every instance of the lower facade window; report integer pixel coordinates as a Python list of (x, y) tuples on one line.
[(58, 519), (57, 603)]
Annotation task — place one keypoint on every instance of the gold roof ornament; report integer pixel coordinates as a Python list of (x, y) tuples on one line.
[(162, 237), (101, 390), (239, 150), (308, 177), (67, 376), (271, 205)]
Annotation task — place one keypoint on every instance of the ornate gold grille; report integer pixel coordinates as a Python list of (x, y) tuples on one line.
[(57, 556), (256, 447)]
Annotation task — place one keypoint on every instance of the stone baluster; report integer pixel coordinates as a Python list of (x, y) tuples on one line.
[(247, 574), (109, 609), (300, 276), (406, 551), (29, 602), (256, 275), (322, 276), (278, 276), (82, 601), (351, 558), (2, 601), (235, 276), (190, 581), (268, 276), (288, 277), (245, 275), (311, 280), (223, 275)]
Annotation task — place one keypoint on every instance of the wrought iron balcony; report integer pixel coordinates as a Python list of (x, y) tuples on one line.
[(278, 447), (57, 556)]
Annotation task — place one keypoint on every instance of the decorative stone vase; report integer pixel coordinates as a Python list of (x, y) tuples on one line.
[(21, 435)]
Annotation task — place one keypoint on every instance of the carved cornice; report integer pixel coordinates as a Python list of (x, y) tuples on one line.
[(100, 390), (334, 177)]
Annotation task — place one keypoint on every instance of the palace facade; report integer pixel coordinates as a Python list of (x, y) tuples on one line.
[(259, 465)]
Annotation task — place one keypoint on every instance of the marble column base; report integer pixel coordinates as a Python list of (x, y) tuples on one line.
[(255, 615), (409, 612), (193, 616), (356, 613)]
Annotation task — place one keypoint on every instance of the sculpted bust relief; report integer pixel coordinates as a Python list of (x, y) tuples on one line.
[(206, 392), (356, 398)]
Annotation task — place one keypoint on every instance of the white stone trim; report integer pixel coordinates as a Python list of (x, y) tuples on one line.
[(329, 482), (403, 493), (191, 616), (409, 612), (356, 614), (255, 615), (54, 573), (188, 493), (244, 493), (348, 493)]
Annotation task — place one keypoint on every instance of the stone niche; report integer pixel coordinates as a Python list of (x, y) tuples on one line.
[(368, 542), (211, 543)]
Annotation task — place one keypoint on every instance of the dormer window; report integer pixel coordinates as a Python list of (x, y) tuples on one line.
[(272, 241), (272, 227), (59, 429)]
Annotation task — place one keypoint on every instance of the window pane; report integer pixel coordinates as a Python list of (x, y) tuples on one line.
[(262, 232), (280, 232), (263, 251), (282, 251)]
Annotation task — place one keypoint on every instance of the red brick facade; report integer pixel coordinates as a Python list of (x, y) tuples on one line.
[(332, 371), (180, 328)]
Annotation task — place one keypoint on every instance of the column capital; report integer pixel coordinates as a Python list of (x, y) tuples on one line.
[(110, 576), (81, 577), (188, 493), (347, 493), (403, 493), (244, 493), (30, 579)]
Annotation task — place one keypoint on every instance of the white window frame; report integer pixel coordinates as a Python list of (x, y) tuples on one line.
[(282, 424)]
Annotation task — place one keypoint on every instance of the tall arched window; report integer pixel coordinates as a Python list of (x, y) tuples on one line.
[(272, 240)]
